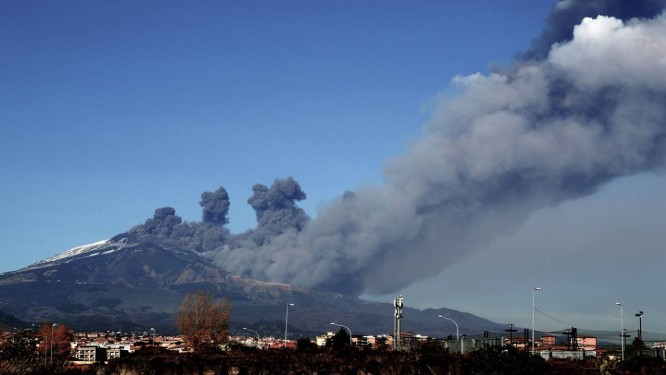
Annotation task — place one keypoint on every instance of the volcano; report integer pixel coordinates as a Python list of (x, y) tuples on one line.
[(125, 284)]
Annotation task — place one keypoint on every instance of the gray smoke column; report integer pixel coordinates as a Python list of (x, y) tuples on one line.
[(167, 228), (215, 206), (505, 145), (276, 206), (277, 214), (161, 225)]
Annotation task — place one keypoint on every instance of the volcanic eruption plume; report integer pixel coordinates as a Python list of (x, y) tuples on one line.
[(584, 105), (556, 126)]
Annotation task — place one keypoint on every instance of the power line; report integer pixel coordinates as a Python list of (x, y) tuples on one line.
[(555, 319)]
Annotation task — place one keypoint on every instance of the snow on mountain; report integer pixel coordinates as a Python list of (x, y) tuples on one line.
[(93, 249)]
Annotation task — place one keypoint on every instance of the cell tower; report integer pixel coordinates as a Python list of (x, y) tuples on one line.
[(397, 303)]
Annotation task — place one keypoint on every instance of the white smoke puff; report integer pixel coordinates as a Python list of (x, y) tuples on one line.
[(605, 51)]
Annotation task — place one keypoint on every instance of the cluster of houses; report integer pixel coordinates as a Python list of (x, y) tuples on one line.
[(92, 347)]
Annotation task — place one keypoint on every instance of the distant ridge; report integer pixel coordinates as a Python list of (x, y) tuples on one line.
[(9, 322)]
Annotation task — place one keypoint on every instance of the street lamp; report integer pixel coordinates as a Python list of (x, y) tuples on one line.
[(621, 328), (46, 348), (52, 327), (457, 333), (255, 332), (454, 322), (348, 330), (533, 308), (286, 323), (152, 330), (640, 325)]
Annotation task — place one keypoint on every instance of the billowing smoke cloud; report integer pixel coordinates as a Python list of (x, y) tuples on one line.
[(168, 228), (555, 127), (162, 224), (568, 13), (584, 105), (275, 208), (215, 206)]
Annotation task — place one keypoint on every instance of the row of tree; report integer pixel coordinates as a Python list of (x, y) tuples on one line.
[(25, 351)]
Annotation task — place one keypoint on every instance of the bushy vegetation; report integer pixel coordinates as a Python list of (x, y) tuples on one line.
[(19, 355), (504, 360), (428, 358)]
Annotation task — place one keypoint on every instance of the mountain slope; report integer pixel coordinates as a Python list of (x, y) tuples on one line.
[(8, 322), (121, 283)]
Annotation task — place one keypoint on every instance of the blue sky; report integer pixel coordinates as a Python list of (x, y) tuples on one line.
[(109, 110)]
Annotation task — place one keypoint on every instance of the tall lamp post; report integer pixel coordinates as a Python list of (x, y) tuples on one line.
[(621, 328), (286, 323), (457, 332), (52, 327), (255, 332), (348, 330), (640, 325), (534, 290), (46, 348), (152, 331)]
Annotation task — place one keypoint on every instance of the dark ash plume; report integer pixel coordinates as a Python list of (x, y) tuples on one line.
[(167, 228), (215, 207), (555, 127), (276, 212), (276, 207), (161, 225)]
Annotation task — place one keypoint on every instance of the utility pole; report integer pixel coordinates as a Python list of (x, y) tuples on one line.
[(511, 331), (624, 338), (640, 326), (621, 328)]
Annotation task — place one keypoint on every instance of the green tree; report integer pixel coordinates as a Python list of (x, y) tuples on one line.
[(18, 354), (504, 360), (20, 345), (339, 341), (204, 321), (633, 349), (430, 347), (304, 344)]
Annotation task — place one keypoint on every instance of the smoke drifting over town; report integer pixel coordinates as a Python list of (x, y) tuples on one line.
[(584, 105)]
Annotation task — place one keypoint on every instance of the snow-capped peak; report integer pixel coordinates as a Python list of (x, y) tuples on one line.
[(97, 248), (76, 251)]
